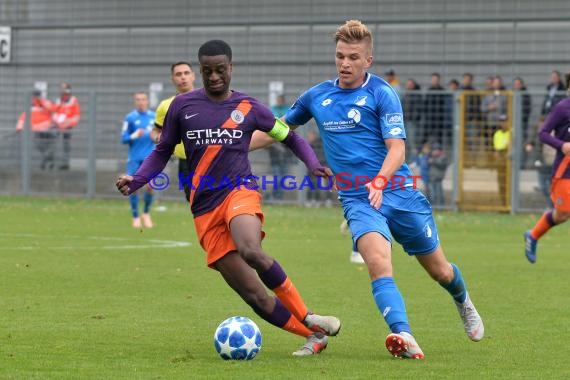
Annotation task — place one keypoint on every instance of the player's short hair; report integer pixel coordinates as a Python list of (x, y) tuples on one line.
[(353, 31), (215, 47), (180, 63)]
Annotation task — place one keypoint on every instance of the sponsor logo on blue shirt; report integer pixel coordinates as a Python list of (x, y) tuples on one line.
[(394, 118)]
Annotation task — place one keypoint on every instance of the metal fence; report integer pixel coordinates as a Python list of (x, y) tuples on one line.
[(471, 178)]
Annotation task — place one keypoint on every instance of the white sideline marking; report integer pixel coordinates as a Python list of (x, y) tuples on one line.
[(149, 243)]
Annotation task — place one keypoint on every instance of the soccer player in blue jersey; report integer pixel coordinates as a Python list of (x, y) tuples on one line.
[(215, 125), (137, 127), (360, 120), (556, 133)]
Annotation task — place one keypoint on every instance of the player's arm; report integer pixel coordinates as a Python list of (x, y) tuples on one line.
[(394, 160), (554, 118), (155, 134), (299, 146), (156, 161), (261, 139), (126, 134), (161, 111)]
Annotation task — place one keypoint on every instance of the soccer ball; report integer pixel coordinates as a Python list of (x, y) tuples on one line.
[(237, 338)]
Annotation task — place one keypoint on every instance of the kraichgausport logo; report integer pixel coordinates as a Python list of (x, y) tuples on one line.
[(394, 118)]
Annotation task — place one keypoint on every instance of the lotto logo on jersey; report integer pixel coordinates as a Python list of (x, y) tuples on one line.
[(394, 118)]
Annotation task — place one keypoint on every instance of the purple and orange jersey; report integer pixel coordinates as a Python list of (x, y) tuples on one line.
[(216, 137), (558, 120)]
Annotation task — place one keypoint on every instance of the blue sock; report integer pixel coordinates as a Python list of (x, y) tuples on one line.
[(391, 304), (148, 197), (134, 199), (456, 287)]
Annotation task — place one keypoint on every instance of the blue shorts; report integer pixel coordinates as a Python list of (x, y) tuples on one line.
[(133, 166), (405, 215)]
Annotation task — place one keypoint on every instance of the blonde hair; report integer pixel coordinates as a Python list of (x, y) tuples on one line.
[(354, 31)]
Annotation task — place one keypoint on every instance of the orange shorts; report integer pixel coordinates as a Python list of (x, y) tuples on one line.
[(213, 228), (560, 194)]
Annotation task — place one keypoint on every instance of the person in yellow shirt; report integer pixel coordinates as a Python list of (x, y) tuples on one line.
[(501, 145), (182, 77)]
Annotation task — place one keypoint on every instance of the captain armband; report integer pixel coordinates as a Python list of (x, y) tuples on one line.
[(280, 130)]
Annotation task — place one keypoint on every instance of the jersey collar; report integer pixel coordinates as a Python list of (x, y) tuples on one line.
[(366, 80)]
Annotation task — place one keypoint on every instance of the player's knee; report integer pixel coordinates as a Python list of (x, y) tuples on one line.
[(561, 216), (379, 265), (443, 274), (252, 254), (260, 302)]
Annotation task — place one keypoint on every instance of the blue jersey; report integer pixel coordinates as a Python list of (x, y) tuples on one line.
[(139, 147), (353, 124)]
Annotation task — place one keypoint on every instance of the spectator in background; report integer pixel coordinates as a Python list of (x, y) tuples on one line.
[(137, 128), (472, 112), (553, 92), (493, 106), (66, 114), (449, 114), (501, 145), (280, 107), (278, 154), (422, 162), (437, 166), (453, 85), (542, 157), (43, 128), (518, 85), (413, 105), (434, 110), (393, 80), (489, 83)]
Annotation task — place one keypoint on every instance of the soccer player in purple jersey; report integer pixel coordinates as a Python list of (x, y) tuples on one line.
[(215, 125), (558, 121)]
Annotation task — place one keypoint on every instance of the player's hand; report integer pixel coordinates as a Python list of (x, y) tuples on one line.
[(375, 195), (566, 148), (322, 172), (155, 135), (325, 173), (123, 183)]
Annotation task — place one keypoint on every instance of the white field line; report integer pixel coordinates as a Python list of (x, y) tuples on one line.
[(128, 242)]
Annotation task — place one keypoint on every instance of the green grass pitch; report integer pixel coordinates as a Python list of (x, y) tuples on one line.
[(84, 296)]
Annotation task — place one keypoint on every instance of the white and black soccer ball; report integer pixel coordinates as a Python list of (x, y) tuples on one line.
[(237, 338)]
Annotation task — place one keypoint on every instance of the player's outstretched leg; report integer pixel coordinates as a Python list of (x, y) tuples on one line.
[(403, 345), (355, 256), (277, 280), (325, 324), (315, 344), (542, 226), (530, 247), (400, 343), (472, 322)]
